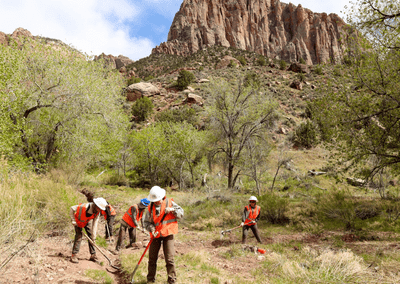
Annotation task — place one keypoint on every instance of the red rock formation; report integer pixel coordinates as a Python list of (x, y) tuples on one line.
[(268, 27)]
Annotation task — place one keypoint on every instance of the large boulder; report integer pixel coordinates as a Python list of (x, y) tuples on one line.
[(299, 68), (225, 61), (137, 90)]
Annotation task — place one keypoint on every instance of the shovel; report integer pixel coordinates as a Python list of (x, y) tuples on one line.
[(93, 243), (228, 231)]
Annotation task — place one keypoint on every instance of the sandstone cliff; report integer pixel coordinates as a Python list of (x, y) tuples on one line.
[(269, 27)]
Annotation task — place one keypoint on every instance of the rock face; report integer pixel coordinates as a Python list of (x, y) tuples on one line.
[(115, 62), (268, 27)]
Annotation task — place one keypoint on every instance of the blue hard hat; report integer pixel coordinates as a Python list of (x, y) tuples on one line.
[(145, 201)]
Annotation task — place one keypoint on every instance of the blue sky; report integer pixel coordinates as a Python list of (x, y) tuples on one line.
[(128, 27)]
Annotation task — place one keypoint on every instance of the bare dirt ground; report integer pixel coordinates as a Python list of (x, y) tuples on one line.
[(47, 259)]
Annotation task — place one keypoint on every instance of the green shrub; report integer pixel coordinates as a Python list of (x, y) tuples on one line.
[(178, 115), (306, 135), (261, 61), (242, 60), (142, 109), (282, 64), (301, 77), (133, 80), (201, 68), (339, 206), (232, 64), (252, 79), (274, 208), (302, 61), (318, 70), (185, 78), (148, 78)]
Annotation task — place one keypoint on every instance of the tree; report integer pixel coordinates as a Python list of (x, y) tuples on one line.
[(360, 110), (237, 114), (58, 103)]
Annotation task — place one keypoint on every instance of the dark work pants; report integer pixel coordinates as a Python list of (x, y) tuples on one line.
[(169, 251), (254, 229), (78, 238), (121, 235), (109, 226)]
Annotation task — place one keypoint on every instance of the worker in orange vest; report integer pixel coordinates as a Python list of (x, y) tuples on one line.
[(250, 217), (109, 215), (81, 217), (130, 221), (161, 220)]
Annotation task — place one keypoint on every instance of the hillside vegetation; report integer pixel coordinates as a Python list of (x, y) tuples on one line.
[(318, 146)]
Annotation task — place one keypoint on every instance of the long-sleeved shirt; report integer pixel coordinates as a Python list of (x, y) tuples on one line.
[(246, 213), (148, 218)]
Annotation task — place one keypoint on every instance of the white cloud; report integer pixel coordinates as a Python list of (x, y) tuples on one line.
[(89, 25)]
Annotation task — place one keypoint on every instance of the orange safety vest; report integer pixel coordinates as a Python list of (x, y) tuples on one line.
[(80, 216), (128, 216), (112, 212), (169, 225), (252, 214)]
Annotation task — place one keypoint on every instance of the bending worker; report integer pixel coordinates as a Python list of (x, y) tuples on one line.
[(109, 216), (250, 217), (130, 221), (161, 221), (81, 217)]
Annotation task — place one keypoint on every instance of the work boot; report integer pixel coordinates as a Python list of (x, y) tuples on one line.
[(74, 259), (94, 258), (133, 245)]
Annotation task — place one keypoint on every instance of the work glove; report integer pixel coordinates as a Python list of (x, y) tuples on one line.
[(74, 223), (169, 210), (242, 224)]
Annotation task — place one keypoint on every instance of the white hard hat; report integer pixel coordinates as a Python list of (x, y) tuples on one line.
[(253, 198), (100, 202), (156, 194)]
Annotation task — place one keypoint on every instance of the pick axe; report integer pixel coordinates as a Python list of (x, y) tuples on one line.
[(223, 232)]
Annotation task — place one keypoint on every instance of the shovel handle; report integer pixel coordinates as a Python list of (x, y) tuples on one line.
[(140, 260)]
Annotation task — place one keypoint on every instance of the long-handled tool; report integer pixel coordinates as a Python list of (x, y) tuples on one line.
[(140, 260), (228, 231), (94, 244)]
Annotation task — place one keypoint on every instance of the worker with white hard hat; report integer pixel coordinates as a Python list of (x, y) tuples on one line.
[(81, 217), (250, 217), (161, 220)]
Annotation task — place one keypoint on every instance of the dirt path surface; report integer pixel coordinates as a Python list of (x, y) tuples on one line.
[(47, 259)]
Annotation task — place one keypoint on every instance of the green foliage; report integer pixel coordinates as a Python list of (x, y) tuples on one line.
[(183, 114), (148, 78), (185, 78), (306, 134), (58, 105), (242, 60), (133, 80), (142, 108), (364, 109), (237, 114), (274, 208), (99, 275), (282, 65), (261, 61), (318, 70), (232, 64), (252, 79), (301, 77), (302, 61), (340, 206)]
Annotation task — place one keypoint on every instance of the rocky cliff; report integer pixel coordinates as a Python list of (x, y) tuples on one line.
[(269, 27)]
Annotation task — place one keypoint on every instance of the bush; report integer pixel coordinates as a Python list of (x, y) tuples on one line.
[(302, 61), (232, 64), (178, 115), (252, 79), (185, 78), (242, 60), (282, 65), (261, 61), (306, 135), (133, 80), (318, 70), (273, 208), (148, 78), (142, 109)]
